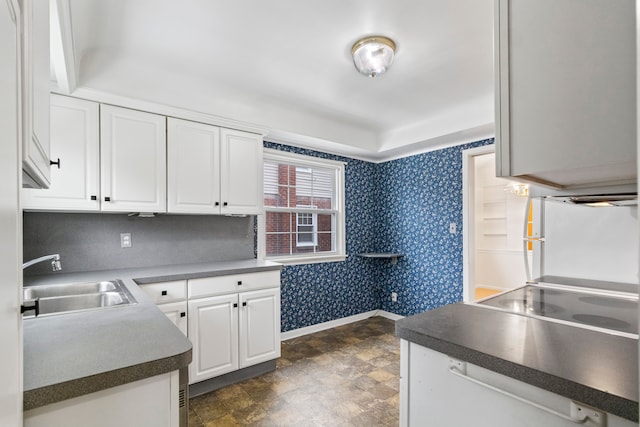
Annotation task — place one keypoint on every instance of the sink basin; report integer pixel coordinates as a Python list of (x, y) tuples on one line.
[(58, 299), (48, 291)]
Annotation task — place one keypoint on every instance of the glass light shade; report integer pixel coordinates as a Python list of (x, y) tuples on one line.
[(373, 55)]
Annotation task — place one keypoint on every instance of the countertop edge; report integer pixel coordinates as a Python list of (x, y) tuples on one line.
[(201, 274), (613, 404), (54, 393)]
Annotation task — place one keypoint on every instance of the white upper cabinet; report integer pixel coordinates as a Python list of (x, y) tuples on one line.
[(193, 152), (75, 182), (213, 170), (565, 92), (36, 82), (133, 159), (241, 172)]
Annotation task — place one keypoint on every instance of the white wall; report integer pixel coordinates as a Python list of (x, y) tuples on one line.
[(591, 243)]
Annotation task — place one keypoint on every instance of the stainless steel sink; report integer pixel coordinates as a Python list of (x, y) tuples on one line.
[(48, 291), (58, 299)]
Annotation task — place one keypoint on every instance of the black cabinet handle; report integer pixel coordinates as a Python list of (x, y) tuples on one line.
[(183, 314), (164, 293), (94, 197), (107, 199), (217, 203), (51, 163), (225, 204), (35, 306), (244, 304), (239, 282), (235, 304)]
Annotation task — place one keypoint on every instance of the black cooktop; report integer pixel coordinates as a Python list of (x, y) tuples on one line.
[(618, 312)]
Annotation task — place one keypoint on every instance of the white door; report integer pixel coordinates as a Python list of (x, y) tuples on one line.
[(10, 219), (241, 172), (75, 183), (259, 326), (133, 160), (177, 313), (213, 330), (193, 163)]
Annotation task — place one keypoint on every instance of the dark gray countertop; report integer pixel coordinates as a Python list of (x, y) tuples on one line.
[(595, 368), (78, 353)]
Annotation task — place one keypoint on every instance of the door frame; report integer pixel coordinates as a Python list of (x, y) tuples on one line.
[(468, 219)]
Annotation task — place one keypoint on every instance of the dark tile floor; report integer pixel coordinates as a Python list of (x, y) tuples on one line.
[(345, 376)]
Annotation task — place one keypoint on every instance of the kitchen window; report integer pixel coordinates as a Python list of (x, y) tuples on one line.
[(304, 209)]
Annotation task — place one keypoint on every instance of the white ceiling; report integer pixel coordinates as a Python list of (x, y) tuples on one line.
[(285, 66)]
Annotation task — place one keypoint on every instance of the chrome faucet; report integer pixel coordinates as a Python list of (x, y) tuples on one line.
[(55, 262)]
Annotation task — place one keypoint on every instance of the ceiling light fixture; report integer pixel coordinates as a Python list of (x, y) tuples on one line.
[(373, 55)]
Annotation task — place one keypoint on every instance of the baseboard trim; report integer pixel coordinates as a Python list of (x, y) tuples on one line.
[(389, 315), (337, 322), (326, 325)]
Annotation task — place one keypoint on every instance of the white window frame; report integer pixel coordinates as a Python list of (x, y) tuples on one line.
[(339, 254)]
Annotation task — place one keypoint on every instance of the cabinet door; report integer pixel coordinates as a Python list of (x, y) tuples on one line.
[(213, 330), (241, 172), (565, 98), (75, 141), (259, 326), (177, 313), (36, 81), (193, 159), (133, 160)]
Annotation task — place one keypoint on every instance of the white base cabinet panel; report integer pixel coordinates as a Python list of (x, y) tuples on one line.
[(150, 402), (259, 326), (213, 330), (177, 313), (430, 395)]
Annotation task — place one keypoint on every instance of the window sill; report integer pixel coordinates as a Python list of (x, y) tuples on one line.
[(307, 260)]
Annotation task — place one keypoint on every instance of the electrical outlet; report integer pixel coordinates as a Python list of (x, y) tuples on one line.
[(125, 240), (394, 296), (453, 228)]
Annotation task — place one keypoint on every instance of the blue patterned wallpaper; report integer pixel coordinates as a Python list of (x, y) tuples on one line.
[(405, 206), (420, 196)]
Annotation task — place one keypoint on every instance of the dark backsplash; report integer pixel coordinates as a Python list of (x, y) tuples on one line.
[(91, 241)]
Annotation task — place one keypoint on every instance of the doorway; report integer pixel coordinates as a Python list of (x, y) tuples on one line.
[(494, 215)]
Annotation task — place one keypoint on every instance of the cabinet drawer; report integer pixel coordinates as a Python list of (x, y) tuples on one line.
[(166, 291), (233, 283)]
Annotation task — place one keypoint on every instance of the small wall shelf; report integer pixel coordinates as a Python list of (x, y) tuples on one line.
[(393, 257)]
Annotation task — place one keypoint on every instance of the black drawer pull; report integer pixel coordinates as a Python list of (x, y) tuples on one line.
[(239, 282), (35, 306), (183, 314), (94, 197), (244, 304), (51, 163), (217, 203), (107, 199), (225, 203), (235, 304), (164, 293)]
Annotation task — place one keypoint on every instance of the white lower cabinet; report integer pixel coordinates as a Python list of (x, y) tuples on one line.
[(150, 402), (433, 386), (231, 332), (177, 313), (213, 330), (171, 299), (233, 321)]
